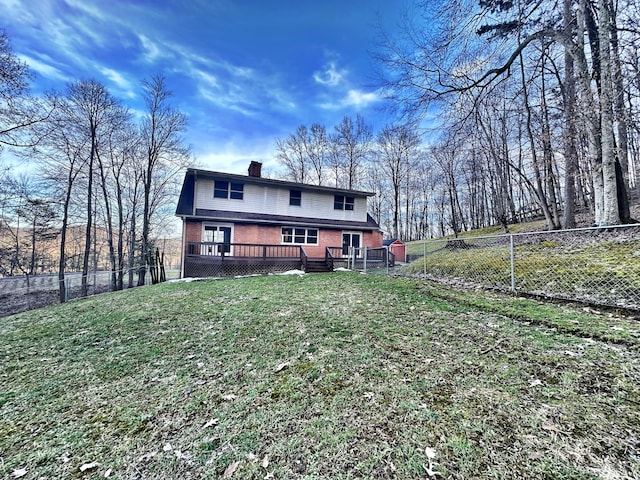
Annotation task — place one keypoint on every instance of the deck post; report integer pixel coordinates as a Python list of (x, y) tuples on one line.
[(365, 259), (386, 253)]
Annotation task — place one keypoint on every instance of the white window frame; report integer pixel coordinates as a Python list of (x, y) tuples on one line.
[(230, 191), (209, 249), (293, 235), (351, 233), (344, 204)]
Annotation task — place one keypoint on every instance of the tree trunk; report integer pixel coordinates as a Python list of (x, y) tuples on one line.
[(539, 190), (610, 210), (108, 214), (87, 236), (146, 221), (63, 243), (569, 134), (620, 117)]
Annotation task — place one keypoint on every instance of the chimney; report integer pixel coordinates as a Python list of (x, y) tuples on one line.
[(255, 169)]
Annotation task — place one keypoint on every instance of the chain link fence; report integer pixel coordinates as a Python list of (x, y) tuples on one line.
[(592, 265), (377, 260), (25, 292)]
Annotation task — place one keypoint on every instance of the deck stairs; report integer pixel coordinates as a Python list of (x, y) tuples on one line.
[(317, 265)]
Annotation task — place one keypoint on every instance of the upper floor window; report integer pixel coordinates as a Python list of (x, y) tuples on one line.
[(340, 202), (295, 198), (225, 189)]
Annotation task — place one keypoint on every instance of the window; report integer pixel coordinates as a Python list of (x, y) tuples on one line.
[(216, 234), (300, 236), (224, 189), (340, 202), (295, 198)]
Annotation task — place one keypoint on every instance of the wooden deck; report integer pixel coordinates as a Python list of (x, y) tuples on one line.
[(209, 259)]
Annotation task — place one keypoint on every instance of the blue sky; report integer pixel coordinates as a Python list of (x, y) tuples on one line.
[(245, 72)]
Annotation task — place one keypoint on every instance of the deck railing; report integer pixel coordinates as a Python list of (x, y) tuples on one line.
[(303, 258), (243, 250), (336, 252), (328, 257)]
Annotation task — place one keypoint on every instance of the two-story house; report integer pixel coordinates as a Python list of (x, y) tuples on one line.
[(247, 220)]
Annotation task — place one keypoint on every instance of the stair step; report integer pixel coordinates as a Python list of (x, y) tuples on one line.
[(316, 266)]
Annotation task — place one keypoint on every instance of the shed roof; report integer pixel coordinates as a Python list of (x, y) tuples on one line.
[(392, 241)]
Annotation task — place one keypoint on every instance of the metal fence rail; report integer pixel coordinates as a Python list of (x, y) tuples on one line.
[(19, 293), (368, 260), (594, 265)]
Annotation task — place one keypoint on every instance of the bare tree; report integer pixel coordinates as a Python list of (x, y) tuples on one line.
[(396, 146), (316, 145), (446, 59), (305, 154), (110, 165), (165, 155), (292, 156), (352, 145), (18, 111), (88, 107), (62, 155)]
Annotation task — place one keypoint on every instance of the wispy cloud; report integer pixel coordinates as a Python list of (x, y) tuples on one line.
[(234, 87), (330, 75), (360, 98), (44, 68), (119, 80), (235, 158), (353, 98), (151, 51)]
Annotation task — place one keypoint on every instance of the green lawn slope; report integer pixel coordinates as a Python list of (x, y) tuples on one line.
[(322, 376)]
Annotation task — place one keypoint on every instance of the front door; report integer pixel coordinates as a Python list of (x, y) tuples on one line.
[(219, 234), (350, 239)]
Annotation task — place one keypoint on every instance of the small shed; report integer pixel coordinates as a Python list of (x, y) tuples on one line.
[(397, 247)]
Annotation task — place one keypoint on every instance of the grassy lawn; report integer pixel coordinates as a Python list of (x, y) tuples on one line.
[(323, 376)]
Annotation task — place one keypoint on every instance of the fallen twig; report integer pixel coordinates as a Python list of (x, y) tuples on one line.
[(492, 346)]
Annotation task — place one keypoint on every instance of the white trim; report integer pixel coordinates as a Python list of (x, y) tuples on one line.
[(306, 235), (206, 250), (352, 232)]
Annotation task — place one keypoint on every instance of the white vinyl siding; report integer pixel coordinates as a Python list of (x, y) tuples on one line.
[(271, 200)]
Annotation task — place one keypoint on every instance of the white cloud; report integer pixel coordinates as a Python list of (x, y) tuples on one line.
[(210, 80), (152, 51), (44, 69), (360, 98), (353, 98), (234, 159), (237, 88), (122, 83), (330, 75)]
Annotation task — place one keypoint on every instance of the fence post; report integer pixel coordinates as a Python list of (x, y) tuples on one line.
[(424, 257), (386, 251), (365, 259), (512, 257), (28, 292)]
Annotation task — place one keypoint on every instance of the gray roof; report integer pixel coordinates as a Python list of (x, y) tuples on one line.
[(244, 217), (276, 183)]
